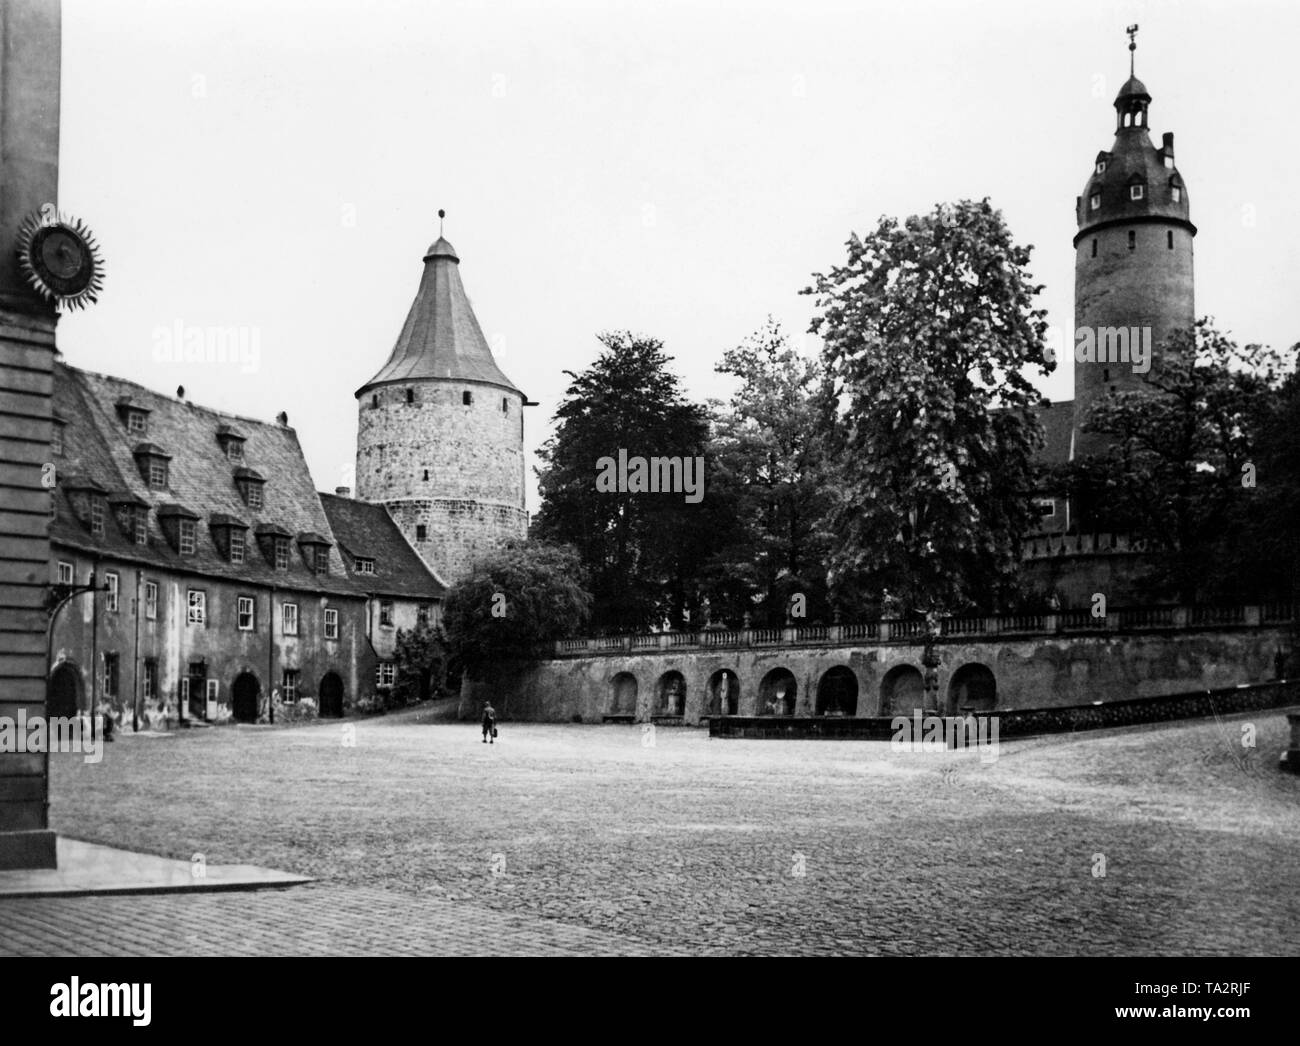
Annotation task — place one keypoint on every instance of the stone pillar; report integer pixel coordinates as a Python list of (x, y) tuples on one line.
[(29, 164)]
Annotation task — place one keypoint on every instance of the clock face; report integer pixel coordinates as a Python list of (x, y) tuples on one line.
[(61, 259)]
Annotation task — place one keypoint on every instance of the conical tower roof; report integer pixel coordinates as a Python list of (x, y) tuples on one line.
[(441, 338)]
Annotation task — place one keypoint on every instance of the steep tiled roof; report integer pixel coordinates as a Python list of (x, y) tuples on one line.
[(201, 483), (441, 337), (368, 531)]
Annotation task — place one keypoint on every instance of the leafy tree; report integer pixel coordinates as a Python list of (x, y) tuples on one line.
[(420, 658), (1271, 536), (1182, 473), (765, 474), (514, 602), (643, 551), (929, 329)]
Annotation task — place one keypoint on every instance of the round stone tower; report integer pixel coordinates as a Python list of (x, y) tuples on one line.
[(1133, 262), (440, 439)]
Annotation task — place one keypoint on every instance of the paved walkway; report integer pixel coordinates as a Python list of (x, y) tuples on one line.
[(1169, 840), (88, 868), (301, 921)]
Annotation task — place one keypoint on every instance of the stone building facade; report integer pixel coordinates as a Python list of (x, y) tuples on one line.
[(228, 594), (440, 430)]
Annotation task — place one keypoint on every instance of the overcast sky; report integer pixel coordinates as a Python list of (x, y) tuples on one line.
[(679, 170)]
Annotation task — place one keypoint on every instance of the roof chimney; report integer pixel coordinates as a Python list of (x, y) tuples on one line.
[(343, 492)]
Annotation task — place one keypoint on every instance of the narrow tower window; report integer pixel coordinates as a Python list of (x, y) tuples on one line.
[(505, 405), (1094, 247), (374, 401), (1101, 166), (467, 398), (1135, 192), (1177, 194), (426, 475), (421, 532), (410, 395), (1132, 239), (1170, 234), (1094, 201)]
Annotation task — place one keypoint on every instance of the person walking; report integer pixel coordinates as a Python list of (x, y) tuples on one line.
[(489, 724)]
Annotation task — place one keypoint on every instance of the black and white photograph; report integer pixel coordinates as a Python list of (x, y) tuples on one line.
[(798, 479)]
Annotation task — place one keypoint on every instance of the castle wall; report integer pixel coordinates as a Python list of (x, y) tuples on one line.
[(1030, 673)]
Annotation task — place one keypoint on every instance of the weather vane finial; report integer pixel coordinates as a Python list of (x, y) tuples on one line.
[(441, 215), (1132, 45)]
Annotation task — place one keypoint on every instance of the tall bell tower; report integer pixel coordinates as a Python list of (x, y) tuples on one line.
[(1132, 254), (440, 439)]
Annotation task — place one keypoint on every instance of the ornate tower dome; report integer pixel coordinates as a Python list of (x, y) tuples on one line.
[(440, 437), (1133, 260)]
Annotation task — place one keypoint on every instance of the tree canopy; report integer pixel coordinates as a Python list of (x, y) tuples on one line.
[(929, 328), (514, 602), (643, 550)]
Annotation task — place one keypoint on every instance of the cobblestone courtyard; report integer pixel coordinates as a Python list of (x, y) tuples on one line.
[(584, 840)]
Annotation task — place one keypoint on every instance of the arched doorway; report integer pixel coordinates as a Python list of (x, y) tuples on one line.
[(902, 691), (973, 688), (244, 696), (622, 694), (64, 696), (331, 696), (777, 693), (837, 693), (724, 693), (672, 694)]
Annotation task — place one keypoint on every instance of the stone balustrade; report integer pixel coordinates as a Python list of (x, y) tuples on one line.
[(1121, 620)]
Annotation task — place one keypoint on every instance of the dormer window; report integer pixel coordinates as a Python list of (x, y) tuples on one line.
[(134, 415), (228, 534), (232, 443), (1094, 201), (1176, 194), (152, 461), (315, 552), (132, 518), (180, 527), (1101, 166), (87, 498), (250, 484), (1136, 192), (274, 542), (365, 566)]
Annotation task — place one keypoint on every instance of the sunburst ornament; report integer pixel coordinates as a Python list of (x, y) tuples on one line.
[(60, 258)]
